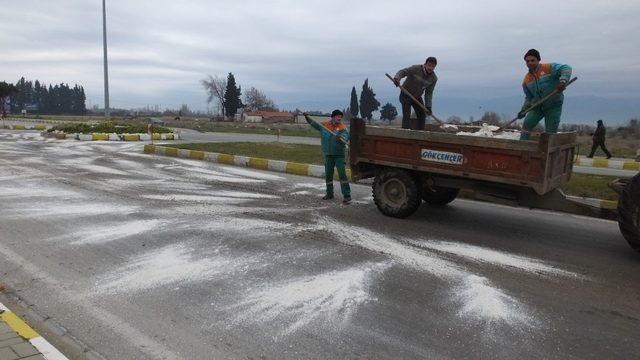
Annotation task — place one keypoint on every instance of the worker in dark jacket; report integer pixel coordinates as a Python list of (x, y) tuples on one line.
[(420, 79), (334, 138), (598, 140), (540, 81)]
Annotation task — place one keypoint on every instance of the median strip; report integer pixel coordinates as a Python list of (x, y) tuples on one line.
[(287, 167), (607, 163)]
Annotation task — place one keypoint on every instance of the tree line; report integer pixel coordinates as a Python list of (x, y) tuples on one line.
[(368, 104), (40, 98)]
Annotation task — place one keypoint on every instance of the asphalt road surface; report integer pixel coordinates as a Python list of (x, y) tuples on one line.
[(146, 257)]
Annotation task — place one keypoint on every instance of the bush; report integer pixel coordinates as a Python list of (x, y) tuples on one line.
[(108, 127)]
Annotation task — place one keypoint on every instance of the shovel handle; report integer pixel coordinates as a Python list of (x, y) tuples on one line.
[(539, 102)]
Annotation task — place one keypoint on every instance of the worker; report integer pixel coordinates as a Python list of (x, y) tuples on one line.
[(420, 79), (598, 140), (540, 81), (334, 138)]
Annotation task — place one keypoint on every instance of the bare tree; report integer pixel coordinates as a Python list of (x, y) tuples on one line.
[(255, 99), (215, 87)]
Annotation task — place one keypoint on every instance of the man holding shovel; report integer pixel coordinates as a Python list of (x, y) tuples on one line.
[(334, 138), (542, 80), (420, 79)]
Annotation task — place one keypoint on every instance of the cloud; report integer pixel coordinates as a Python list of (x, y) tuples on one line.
[(313, 53)]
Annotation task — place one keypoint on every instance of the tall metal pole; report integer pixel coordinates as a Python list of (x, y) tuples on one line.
[(107, 112)]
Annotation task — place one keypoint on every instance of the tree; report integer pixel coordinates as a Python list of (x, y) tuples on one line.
[(255, 100), (457, 120), (368, 102), (353, 107), (6, 90), (388, 112), (491, 118), (215, 87), (232, 94)]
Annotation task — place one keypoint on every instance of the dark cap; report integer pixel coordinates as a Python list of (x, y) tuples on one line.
[(533, 52), (336, 112), (432, 60)]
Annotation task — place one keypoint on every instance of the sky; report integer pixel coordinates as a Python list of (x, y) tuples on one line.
[(308, 55)]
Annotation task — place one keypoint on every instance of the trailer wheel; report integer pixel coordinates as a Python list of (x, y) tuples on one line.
[(629, 212), (396, 193), (438, 195)]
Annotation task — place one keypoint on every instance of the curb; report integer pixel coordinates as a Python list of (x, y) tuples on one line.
[(28, 334), (287, 167), (606, 163), (598, 203)]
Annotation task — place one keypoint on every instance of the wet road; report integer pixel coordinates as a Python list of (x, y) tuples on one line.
[(162, 258)]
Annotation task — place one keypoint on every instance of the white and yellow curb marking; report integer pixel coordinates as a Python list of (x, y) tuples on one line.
[(607, 163), (16, 324), (244, 161)]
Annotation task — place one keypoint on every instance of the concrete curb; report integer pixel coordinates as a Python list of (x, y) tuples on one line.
[(599, 203), (28, 334), (287, 167), (607, 163)]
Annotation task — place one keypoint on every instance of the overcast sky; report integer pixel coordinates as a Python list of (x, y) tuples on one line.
[(309, 54)]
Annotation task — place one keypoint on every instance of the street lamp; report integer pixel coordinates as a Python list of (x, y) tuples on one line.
[(107, 112)]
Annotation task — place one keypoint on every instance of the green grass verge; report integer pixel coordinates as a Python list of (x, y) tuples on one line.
[(307, 154), (594, 186), (248, 129)]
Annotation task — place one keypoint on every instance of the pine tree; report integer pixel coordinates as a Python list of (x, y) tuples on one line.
[(353, 107), (388, 112), (368, 102), (232, 97)]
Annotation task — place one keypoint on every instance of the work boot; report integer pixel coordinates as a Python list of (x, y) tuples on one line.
[(347, 200), (327, 197)]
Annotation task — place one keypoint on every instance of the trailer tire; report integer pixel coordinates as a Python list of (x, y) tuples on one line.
[(439, 195), (629, 212), (396, 193)]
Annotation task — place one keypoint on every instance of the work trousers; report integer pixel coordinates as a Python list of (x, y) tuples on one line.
[(551, 117), (337, 162), (407, 121), (599, 143)]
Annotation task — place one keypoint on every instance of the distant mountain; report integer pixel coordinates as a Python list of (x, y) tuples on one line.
[(577, 109)]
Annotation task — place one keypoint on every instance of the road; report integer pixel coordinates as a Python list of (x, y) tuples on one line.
[(145, 257)]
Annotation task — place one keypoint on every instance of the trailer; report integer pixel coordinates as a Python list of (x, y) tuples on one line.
[(410, 167)]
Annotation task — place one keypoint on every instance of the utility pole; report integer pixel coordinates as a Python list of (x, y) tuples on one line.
[(107, 111)]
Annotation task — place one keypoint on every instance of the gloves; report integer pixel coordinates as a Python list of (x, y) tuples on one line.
[(521, 114), (561, 86), (396, 81)]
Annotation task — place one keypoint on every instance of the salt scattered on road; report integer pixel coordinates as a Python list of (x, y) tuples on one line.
[(494, 257), (197, 198), (251, 174), (98, 235), (483, 303), (329, 297), (166, 266)]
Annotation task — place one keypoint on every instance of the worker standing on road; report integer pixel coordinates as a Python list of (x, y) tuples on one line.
[(334, 137), (420, 79), (542, 80), (598, 140)]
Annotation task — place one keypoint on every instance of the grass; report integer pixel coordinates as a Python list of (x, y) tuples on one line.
[(307, 154), (594, 186)]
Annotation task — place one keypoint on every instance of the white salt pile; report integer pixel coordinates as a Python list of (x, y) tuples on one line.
[(488, 131)]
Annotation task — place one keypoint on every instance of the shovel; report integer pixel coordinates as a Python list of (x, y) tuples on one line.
[(421, 105), (538, 103)]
